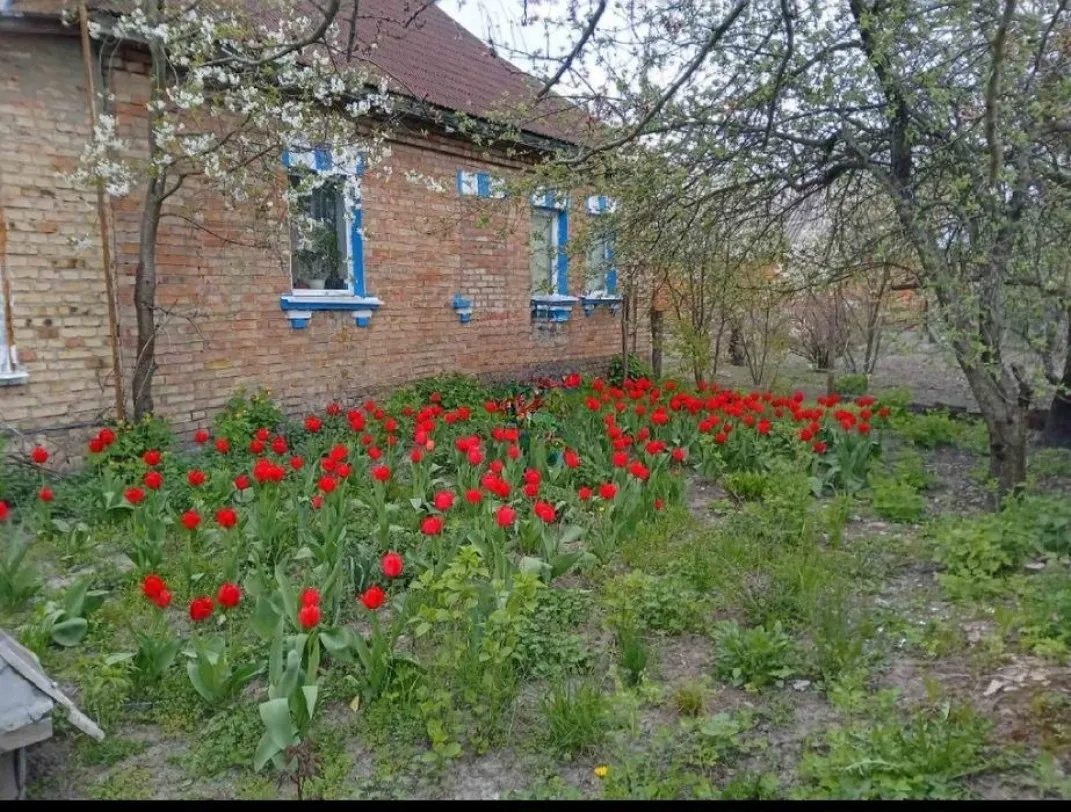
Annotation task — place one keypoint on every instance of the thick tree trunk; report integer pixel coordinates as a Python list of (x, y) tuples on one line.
[(1058, 425), (736, 346), (145, 301), (1004, 411)]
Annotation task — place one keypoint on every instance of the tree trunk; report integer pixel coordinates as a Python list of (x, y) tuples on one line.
[(656, 343), (1004, 412), (736, 346), (145, 300), (1058, 425), (156, 193)]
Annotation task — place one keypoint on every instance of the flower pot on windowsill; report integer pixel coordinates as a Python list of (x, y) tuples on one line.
[(317, 284)]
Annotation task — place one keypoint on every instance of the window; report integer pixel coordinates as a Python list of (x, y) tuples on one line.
[(549, 257), (326, 238), (599, 264), (10, 371), (319, 231), (543, 250)]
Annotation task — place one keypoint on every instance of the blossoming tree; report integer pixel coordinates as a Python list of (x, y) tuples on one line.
[(231, 85), (955, 115)]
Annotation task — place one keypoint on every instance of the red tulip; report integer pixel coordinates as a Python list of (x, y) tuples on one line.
[(226, 517), (229, 595), (373, 597), (200, 609), (309, 616), (392, 564)]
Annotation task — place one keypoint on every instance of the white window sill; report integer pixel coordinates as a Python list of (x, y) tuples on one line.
[(600, 298), (14, 378), (300, 306), (552, 307)]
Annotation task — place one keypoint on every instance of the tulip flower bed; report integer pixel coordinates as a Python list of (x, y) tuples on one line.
[(449, 575)]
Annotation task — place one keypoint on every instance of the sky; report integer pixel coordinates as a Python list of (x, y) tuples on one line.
[(503, 23)]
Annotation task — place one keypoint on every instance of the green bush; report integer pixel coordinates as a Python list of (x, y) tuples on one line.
[(753, 658), (632, 367), (132, 440), (929, 756), (978, 549), (657, 603), (852, 384), (243, 414), (896, 501), (746, 486), (929, 430), (451, 390), (633, 654)]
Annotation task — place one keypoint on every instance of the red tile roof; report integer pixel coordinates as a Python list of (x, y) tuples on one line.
[(429, 57)]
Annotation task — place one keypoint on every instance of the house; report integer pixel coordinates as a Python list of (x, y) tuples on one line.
[(27, 699), (424, 278)]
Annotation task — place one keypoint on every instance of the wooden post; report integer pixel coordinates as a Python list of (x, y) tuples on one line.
[(105, 230)]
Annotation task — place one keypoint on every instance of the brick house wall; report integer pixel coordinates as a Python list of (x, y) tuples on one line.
[(223, 327)]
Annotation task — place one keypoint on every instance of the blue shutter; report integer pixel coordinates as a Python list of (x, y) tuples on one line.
[(357, 247), (611, 268), (563, 252)]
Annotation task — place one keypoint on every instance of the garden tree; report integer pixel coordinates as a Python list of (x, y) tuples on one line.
[(1041, 313), (958, 112), (691, 249), (848, 255), (231, 85)]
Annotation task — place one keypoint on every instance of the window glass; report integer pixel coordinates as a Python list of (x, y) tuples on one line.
[(542, 250), (319, 257)]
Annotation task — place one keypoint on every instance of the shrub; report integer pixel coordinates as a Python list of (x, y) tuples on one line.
[(452, 390), (976, 550), (746, 486), (633, 368), (929, 756), (689, 698), (577, 717), (896, 501), (753, 658), (243, 414), (929, 429), (658, 603), (852, 384), (134, 439)]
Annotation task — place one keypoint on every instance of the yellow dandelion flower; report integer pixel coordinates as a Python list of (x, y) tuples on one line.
[(601, 771)]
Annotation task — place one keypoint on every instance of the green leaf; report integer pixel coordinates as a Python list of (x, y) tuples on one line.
[(70, 632), (75, 597), (337, 640), (266, 618), (266, 751), (311, 692), (275, 713), (571, 533)]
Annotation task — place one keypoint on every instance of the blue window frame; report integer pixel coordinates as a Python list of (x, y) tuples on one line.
[(549, 244), (327, 243)]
